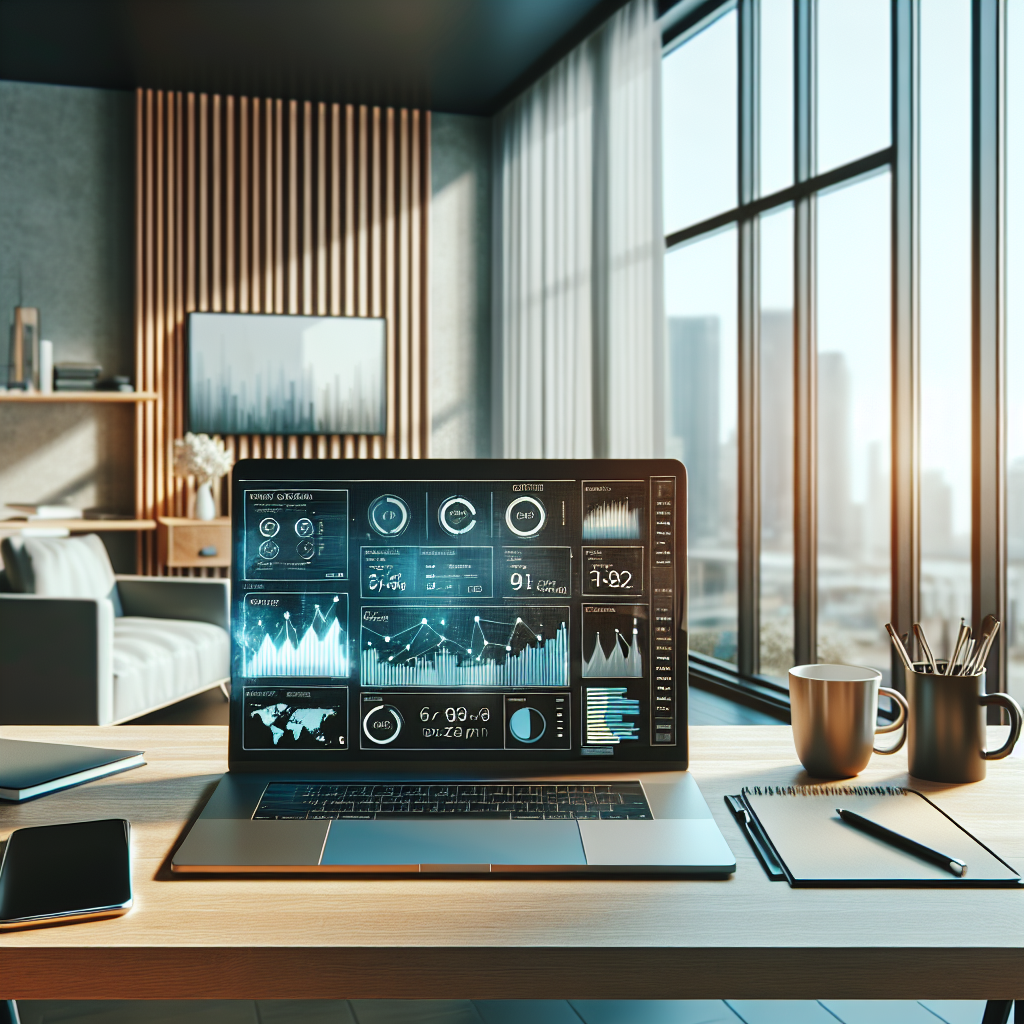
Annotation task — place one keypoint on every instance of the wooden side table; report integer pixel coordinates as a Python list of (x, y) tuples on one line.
[(194, 543)]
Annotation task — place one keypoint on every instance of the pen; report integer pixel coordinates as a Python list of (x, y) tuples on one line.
[(765, 854), (872, 828)]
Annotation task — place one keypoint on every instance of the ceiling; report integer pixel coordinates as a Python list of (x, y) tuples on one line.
[(458, 56)]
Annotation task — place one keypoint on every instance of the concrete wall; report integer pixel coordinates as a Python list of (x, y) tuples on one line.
[(460, 286), (66, 246)]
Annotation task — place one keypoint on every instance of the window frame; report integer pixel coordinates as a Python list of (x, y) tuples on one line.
[(681, 21)]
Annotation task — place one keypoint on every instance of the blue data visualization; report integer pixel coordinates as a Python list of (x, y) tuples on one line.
[(464, 647)]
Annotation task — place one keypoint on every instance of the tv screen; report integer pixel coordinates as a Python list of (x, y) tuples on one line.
[(251, 373)]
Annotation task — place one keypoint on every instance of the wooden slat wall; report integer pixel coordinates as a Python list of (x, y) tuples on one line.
[(254, 205)]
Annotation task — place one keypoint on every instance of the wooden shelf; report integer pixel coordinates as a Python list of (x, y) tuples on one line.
[(78, 396), (80, 525)]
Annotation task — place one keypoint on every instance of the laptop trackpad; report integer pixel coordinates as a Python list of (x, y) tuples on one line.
[(470, 843)]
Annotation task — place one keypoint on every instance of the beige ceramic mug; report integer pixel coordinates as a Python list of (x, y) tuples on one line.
[(834, 709)]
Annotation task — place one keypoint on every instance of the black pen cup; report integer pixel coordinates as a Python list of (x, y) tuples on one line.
[(946, 734)]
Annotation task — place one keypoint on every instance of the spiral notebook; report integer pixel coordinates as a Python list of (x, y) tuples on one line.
[(816, 848)]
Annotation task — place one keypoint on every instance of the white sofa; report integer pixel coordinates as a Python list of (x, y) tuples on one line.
[(81, 646)]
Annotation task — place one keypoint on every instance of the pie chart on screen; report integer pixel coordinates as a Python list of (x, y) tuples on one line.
[(527, 725)]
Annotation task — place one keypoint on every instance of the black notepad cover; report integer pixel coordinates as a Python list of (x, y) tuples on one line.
[(817, 848)]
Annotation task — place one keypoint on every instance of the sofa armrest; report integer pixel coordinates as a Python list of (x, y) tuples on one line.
[(56, 663), (173, 597)]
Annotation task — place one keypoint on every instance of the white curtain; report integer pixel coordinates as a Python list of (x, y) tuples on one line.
[(578, 305)]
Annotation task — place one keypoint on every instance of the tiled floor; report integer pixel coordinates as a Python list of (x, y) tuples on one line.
[(386, 1011)]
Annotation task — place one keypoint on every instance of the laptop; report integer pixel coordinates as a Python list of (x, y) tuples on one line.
[(458, 667)]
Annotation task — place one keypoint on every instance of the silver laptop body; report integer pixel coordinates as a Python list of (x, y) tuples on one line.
[(458, 667)]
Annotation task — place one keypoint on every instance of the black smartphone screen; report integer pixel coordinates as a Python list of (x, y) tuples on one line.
[(54, 871)]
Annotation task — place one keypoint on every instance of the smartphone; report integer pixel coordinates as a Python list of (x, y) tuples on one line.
[(60, 873)]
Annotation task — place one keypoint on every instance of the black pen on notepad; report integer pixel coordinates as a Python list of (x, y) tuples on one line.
[(872, 828)]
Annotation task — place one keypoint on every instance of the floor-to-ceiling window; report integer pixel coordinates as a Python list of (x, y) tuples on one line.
[(945, 133), (1015, 344), (822, 343), (700, 301), (853, 422)]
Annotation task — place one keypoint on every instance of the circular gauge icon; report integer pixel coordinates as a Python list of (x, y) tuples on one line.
[(457, 516), (305, 548), (269, 527), (525, 516), (383, 724), (304, 527), (389, 515), (527, 725), (269, 549)]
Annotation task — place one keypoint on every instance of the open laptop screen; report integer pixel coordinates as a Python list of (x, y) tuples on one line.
[(464, 612)]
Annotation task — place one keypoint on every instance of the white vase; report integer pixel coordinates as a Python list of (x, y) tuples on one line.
[(205, 506)]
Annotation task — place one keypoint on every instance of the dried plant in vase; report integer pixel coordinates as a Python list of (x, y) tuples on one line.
[(201, 456)]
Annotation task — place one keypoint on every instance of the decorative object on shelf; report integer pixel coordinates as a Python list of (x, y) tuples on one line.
[(201, 456), (23, 365), (46, 367)]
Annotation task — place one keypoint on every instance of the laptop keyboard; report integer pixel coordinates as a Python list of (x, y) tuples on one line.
[(616, 801)]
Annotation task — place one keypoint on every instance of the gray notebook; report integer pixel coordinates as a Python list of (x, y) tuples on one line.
[(817, 848), (29, 769)]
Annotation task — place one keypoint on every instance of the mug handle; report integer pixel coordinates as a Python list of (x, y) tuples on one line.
[(1004, 700), (901, 719)]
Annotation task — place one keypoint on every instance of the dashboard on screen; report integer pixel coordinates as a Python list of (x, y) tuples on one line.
[(530, 612)]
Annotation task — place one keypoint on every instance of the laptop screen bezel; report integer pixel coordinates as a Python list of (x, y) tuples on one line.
[(306, 471)]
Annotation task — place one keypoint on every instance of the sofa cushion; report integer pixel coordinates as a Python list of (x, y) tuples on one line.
[(60, 567), (157, 661)]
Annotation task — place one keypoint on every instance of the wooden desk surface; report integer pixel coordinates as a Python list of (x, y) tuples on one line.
[(326, 938)]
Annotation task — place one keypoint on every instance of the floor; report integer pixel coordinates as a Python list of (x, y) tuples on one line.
[(207, 708), (455, 1011)]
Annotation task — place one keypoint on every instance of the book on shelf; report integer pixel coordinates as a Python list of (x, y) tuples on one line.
[(70, 376), (31, 511), (72, 369)]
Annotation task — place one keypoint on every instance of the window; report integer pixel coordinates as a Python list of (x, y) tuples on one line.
[(853, 51), (776, 106), (945, 318), (1015, 345), (818, 227), (699, 138), (776, 395), (853, 420), (701, 428)]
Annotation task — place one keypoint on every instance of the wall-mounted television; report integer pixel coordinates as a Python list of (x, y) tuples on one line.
[(253, 373)]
